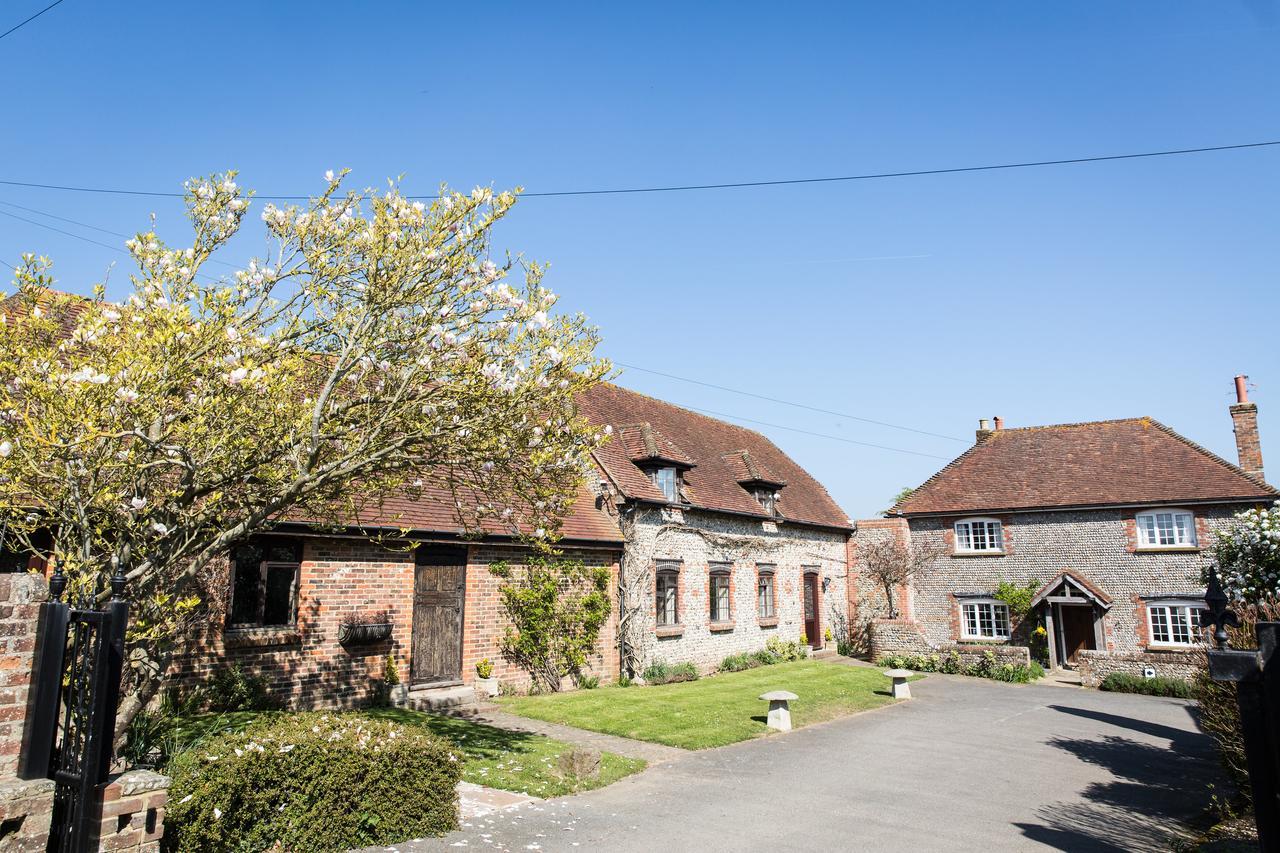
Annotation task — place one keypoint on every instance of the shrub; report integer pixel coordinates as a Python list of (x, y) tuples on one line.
[(661, 672), (233, 689), (740, 662), (484, 668), (312, 781), (786, 650), (556, 608), (588, 682), (951, 663), (1124, 682)]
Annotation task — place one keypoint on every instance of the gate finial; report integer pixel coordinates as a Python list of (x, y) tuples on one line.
[(57, 583), (1220, 615), (117, 580)]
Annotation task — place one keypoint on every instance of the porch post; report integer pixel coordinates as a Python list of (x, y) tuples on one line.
[(1099, 636), (1051, 637)]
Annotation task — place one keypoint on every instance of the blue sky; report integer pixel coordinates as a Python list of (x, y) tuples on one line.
[(1050, 295)]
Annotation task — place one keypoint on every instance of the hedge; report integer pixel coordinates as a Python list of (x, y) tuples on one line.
[(312, 781), (951, 663), (1123, 682)]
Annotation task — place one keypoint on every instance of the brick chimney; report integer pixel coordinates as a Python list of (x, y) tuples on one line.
[(983, 431), (1244, 415)]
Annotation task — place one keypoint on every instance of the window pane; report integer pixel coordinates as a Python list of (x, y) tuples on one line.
[(993, 536), (765, 596), (278, 609), (964, 541), (971, 620), (1001, 621), (666, 598), (1160, 625), (244, 595)]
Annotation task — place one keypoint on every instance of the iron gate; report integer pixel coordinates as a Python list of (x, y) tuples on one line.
[(75, 689)]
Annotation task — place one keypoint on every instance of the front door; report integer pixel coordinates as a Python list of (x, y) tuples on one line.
[(440, 581), (1077, 631), (812, 630)]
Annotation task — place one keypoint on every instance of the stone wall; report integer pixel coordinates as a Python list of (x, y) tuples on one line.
[(891, 637), (695, 540), (1096, 666), (1099, 545), (307, 667)]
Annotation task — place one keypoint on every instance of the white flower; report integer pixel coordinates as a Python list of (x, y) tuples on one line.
[(608, 430), (217, 813), (137, 503), (6, 448), (127, 394), (160, 528), (328, 175)]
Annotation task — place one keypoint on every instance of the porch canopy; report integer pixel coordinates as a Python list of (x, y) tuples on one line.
[(1068, 589)]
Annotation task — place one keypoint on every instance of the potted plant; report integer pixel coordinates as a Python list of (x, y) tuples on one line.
[(804, 644), (357, 628), (486, 681)]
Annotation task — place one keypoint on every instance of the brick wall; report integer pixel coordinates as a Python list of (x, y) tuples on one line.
[(307, 667), (20, 598), (699, 541), (867, 601)]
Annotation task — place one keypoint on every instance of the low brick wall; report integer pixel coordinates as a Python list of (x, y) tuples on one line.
[(1095, 666), (20, 598), (25, 809), (906, 637), (133, 805)]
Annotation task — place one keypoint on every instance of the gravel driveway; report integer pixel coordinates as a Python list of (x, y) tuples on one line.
[(966, 765)]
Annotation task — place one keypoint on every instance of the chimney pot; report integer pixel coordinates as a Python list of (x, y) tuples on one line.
[(984, 430), (984, 424), (999, 421), (1242, 388), (1244, 418)]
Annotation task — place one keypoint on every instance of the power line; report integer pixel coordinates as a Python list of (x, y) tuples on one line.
[(789, 402), (805, 432), (734, 185), (29, 20), (82, 225)]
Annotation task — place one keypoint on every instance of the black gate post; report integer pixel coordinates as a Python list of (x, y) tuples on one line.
[(36, 758)]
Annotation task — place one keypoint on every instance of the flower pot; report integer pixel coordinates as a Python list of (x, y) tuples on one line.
[(355, 633), (488, 686)]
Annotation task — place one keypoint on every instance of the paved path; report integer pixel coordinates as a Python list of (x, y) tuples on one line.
[(966, 765), (654, 753)]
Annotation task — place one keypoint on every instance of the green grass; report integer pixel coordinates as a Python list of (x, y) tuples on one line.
[(497, 758), (712, 711)]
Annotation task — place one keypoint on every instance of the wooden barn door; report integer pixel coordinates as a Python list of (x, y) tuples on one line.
[(440, 583)]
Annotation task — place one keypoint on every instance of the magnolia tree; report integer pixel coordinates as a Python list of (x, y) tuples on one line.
[(376, 350), (1248, 556), (892, 564)]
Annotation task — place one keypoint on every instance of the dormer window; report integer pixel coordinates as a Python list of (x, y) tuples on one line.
[(668, 482), (768, 499)]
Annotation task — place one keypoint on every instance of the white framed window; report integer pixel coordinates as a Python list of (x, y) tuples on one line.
[(768, 499), (985, 619), (1166, 528), (668, 482), (1175, 623), (979, 535)]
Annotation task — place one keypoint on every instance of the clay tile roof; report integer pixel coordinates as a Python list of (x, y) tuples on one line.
[(646, 444), (715, 449), (750, 470), (1101, 463)]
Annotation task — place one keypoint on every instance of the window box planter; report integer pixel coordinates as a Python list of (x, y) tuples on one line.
[(357, 633)]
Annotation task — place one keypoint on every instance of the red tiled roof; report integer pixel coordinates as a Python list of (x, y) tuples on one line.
[(435, 512), (1102, 463), (715, 449), (643, 442)]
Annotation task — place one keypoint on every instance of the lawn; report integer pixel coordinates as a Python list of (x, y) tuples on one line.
[(713, 711), (497, 758)]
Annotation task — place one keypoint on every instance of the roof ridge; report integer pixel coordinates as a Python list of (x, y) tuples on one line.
[(1105, 422), (684, 409)]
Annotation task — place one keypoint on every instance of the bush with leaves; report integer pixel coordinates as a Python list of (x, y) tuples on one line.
[(661, 672), (953, 663), (1248, 556), (1125, 682), (315, 782), (233, 689), (556, 608)]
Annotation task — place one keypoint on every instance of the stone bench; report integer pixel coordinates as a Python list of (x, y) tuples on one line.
[(779, 709), (901, 690)]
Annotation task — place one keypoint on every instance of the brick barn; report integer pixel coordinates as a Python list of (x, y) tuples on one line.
[(1111, 520), (721, 539)]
